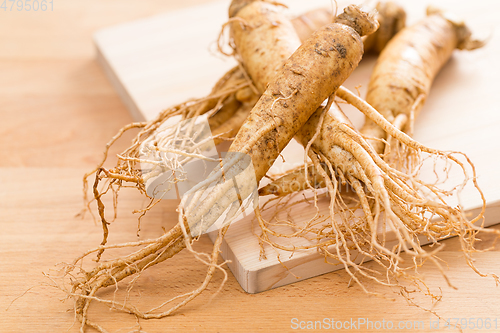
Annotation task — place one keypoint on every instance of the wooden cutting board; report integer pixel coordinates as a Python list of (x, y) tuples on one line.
[(166, 59)]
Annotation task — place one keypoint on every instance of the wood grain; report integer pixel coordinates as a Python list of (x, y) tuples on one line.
[(58, 111), (39, 230)]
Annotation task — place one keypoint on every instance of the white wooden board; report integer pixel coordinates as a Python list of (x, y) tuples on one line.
[(167, 59)]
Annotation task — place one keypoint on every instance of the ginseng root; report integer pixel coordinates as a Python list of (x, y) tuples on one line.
[(391, 17), (404, 72), (391, 200), (311, 75)]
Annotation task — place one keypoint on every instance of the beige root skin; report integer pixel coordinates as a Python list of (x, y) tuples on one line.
[(406, 68), (264, 40), (392, 19), (390, 16)]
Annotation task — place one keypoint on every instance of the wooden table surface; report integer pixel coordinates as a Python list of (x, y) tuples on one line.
[(57, 112)]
